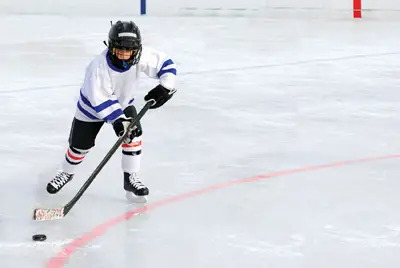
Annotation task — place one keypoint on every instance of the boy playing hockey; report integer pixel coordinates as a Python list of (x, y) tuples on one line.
[(107, 96)]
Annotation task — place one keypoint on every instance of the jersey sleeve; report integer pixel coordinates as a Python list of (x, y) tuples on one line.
[(158, 65), (97, 100)]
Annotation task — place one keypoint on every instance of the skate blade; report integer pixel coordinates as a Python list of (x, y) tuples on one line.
[(135, 198)]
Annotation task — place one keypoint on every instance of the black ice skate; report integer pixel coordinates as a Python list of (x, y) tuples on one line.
[(58, 182), (135, 189)]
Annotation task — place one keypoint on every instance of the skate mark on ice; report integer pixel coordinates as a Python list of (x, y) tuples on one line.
[(364, 239), (222, 70)]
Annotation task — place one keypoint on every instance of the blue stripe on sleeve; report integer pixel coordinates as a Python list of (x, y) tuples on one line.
[(162, 72), (114, 115), (86, 101), (165, 64), (86, 112), (99, 107)]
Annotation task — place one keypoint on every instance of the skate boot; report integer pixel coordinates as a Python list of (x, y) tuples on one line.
[(58, 182), (135, 189)]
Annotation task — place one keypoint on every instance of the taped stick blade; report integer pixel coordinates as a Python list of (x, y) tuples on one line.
[(44, 214)]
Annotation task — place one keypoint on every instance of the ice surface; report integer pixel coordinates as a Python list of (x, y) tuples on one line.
[(255, 96)]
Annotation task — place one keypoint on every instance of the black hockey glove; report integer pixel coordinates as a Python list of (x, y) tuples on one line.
[(121, 125), (159, 95)]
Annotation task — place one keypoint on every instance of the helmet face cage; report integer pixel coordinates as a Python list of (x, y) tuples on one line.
[(125, 36)]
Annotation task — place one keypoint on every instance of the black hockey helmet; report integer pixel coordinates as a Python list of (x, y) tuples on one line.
[(125, 35)]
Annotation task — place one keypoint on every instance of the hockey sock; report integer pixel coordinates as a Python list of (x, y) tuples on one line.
[(73, 157), (131, 154)]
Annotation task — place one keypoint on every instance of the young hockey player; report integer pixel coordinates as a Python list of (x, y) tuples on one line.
[(107, 96)]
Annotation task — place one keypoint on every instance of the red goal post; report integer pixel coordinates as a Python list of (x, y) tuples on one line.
[(357, 9)]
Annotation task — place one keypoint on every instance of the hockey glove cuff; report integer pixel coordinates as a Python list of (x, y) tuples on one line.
[(159, 95)]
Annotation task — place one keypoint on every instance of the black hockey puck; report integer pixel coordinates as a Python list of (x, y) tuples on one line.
[(39, 237)]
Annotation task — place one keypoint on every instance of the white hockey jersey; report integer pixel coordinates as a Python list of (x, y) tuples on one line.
[(108, 90)]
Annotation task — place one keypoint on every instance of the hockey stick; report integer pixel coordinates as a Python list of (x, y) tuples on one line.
[(43, 214)]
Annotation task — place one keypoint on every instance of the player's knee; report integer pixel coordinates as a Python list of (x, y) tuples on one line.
[(82, 145), (83, 134), (138, 132), (130, 111)]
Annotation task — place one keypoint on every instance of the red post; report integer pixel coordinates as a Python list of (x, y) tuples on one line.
[(357, 9)]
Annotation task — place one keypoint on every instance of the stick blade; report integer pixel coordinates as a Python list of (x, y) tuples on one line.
[(44, 214)]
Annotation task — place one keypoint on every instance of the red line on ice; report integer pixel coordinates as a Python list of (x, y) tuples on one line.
[(62, 257)]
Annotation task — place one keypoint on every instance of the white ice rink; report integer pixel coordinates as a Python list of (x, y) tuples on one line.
[(274, 98)]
